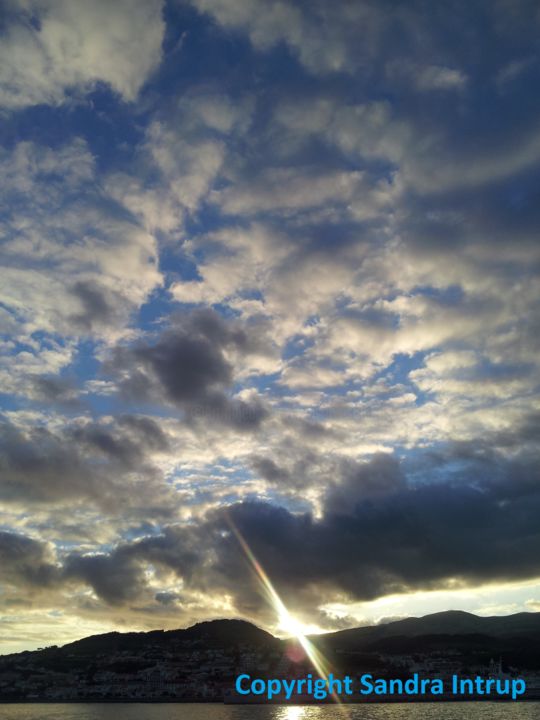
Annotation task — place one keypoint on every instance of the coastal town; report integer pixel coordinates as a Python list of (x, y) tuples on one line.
[(186, 666)]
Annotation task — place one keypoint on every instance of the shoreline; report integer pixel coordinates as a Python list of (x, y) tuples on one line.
[(304, 703)]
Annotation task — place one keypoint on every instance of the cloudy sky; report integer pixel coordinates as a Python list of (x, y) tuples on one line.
[(275, 264)]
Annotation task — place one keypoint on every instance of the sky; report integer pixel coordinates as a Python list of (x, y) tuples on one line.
[(269, 269)]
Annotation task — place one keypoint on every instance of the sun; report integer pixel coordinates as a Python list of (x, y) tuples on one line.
[(291, 626)]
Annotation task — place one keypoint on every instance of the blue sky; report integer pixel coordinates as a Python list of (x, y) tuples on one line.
[(275, 262)]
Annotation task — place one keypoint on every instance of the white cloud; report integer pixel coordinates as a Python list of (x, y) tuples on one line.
[(425, 157), (210, 109), (426, 78), (53, 47), (289, 190), (187, 164), (511, 71), (294, 283), (72, 265), (434, 77)]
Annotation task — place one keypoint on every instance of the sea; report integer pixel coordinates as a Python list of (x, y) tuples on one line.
[(208, 711)]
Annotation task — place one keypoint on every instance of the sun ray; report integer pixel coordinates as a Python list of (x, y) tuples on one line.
[(286, 620)]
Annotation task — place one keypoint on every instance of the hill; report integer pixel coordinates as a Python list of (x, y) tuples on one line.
[(208, 634), (451, 622), (200, 663)]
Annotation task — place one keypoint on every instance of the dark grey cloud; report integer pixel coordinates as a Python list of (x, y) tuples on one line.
[(403, 538), (78, 461), (118, 577), (293, 466), (381, 476), (127, 444), (241, 415), (296, 467), (37, 466), (188, 366), (388, 537), (25, 561), (97, 310), (216, 330), (380, 533), (269, 470), (167, 598), (115, 578), (309, 429), (506, 457), (526, 432), (56, 390), (145, 430)]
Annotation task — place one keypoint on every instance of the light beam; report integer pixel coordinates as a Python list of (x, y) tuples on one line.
[(286, 620)]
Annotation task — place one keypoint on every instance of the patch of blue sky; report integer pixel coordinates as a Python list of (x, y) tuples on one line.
[(220, 468), (155, 312), (398, 373), (9, 402), (105, 123), (99, 403), (450, 296), (206, 219), (266, 383), (65, 547), (225, 310), (297, 345), (85, 365), (197, 52)]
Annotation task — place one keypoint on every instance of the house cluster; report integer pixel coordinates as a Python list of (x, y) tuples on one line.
[(189, 674), (193, 672)]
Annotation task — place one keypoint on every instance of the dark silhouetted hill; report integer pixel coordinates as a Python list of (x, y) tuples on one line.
[(200, 663), (449, 623), (462, 631), (209, 634)]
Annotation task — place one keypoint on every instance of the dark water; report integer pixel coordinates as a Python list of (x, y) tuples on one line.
[(128, 711)]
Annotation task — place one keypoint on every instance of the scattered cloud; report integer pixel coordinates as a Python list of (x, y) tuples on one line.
[(274, 263)]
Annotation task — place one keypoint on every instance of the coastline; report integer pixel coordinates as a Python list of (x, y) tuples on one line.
[(382, 700)]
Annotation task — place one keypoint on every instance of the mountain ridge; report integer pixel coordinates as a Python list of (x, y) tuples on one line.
[(447, 622), (200, 663), (220, 632)]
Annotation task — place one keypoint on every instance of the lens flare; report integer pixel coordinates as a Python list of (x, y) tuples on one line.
[(286, 620)]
